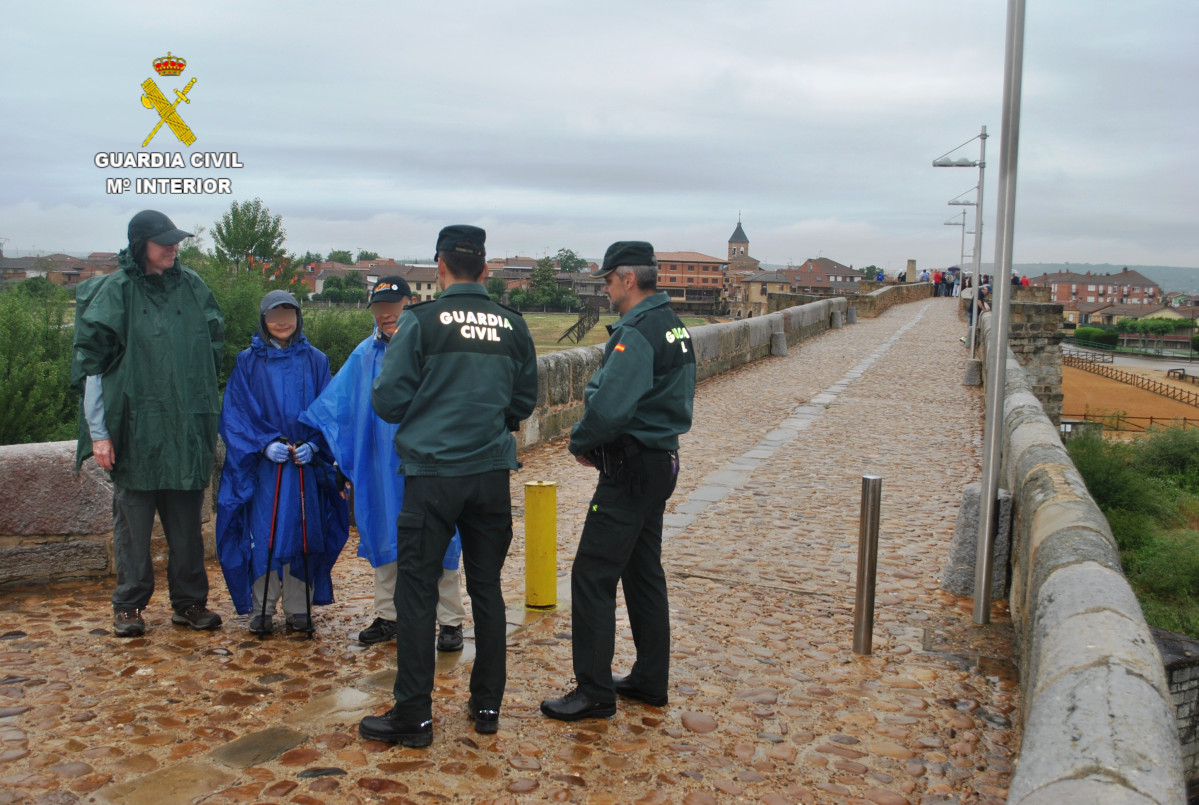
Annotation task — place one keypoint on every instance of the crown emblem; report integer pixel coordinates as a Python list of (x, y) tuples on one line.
[(169, 65)]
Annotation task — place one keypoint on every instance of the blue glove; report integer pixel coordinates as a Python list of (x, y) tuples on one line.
[(304, 453), (277, 452)]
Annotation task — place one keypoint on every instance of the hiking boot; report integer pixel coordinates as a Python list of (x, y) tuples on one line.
[(260, 625), (128, 623), (299, 623), (197, 616), (449, 638), (380, 631)]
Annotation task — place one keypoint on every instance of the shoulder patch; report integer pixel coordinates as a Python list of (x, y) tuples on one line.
[(511, 310)]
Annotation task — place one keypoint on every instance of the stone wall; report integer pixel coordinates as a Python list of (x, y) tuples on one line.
[(874, 298), (1180, 654), (54, 523), (562, 376), (1035, 337), (1098, 721)]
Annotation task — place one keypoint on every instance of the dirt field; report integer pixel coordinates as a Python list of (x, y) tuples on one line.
[(1084, 391)]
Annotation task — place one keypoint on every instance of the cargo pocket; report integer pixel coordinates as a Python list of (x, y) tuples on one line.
[(410, 527)]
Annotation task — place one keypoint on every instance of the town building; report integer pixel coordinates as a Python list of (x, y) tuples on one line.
[(1124, 288), (694, 281)]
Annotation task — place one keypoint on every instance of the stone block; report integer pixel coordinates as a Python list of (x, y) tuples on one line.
[(50, 559), (41, 494), (183, 782), (778, 344), (973, 375), (258, 747), (959, 567), (1100, 722), (851, 316), (1088, 791)]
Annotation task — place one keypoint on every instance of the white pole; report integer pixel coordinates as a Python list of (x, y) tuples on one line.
[(1009, 147)]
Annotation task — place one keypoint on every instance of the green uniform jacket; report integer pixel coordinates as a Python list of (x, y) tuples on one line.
[(457, 369), (646, 384), (157, 342)]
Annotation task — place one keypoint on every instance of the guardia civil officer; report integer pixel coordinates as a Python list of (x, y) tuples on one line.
[(460, 373), (637, 404)]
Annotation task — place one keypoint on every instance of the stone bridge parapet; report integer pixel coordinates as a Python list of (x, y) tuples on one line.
[(1098, 721)]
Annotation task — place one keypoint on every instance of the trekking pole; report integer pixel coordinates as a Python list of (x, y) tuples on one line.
[(304, 548), (270, 549)]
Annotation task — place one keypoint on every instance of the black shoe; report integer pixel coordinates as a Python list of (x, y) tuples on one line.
[(576, 705), (389, 729), (262, 626), (449, 638), (300, 623), (128, 623), (628, 690), (380, 631), (487, 722), (196, 616)]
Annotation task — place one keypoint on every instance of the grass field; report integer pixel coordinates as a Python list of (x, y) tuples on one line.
[(547, 328)]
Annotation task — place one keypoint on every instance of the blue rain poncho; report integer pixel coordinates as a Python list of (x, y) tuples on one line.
[(267, 391), (364, 447)]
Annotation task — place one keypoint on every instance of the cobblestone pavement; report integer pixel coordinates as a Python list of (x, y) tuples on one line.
[(767, 701)]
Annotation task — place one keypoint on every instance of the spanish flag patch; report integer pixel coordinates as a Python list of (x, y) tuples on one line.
[(619, 347)]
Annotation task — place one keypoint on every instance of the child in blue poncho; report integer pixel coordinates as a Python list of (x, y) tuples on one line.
[(267, 450)]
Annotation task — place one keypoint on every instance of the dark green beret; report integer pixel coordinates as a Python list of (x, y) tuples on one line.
[(626, 253), (462, 238)]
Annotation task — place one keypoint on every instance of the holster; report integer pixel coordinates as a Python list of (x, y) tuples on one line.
[(622, 458)]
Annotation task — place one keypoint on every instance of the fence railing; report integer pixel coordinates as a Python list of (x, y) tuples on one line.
[(1073, 355), (1125, 423), (1149, 384)]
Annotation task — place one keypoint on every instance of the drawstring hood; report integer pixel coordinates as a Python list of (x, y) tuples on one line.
[(272, 300)]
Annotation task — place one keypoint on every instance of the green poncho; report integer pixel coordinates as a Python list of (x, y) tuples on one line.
[(157, 340)]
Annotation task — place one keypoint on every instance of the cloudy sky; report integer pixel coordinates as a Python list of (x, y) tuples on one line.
[(561, 124)]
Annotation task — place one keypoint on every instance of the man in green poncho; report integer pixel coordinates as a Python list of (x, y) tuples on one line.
[(148, 343)]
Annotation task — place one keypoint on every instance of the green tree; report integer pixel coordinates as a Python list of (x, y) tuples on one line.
[(36, 400), (570, 262), (362, 255), (248, 230), (518, 297), (238, 295), (496, 286), (41, 289), (340, 256), (543, 287)]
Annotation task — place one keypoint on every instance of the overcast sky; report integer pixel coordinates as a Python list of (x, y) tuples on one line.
[(562, 124)]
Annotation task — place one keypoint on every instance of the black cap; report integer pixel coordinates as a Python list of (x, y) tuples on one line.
[(153, 225), (462, 238), (626, 253), (390, 289)]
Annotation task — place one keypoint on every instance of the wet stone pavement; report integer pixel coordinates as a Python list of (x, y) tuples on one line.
[(767, 701)]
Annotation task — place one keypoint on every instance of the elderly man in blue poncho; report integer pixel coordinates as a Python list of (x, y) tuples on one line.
[(267, 449), (364, 447)]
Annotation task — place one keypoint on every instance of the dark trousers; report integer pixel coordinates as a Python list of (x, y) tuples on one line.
[(481, 506), (133, 519), (622, 541)]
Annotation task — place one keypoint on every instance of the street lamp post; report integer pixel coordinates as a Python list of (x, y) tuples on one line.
[(962, 224), (944, 161)]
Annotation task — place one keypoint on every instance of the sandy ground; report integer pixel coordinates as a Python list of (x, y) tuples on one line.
[(1087, 392)]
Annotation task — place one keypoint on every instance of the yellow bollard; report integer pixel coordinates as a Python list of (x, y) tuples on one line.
[(541, 545)]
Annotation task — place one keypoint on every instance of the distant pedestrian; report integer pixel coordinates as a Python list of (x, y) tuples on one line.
[(636, 405), (148, 344), (364, 447), (1025, 281), (460, 373), (267, 448)]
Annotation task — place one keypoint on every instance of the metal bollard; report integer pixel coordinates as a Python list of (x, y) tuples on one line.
[(863, 607), (541, 545)]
